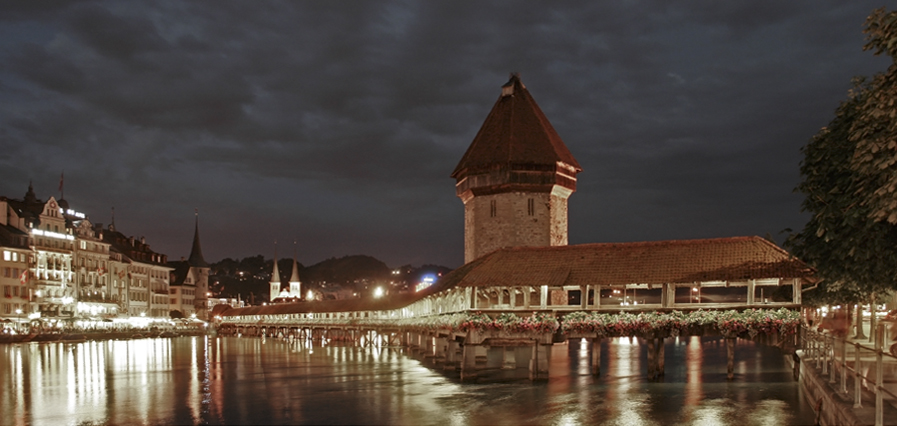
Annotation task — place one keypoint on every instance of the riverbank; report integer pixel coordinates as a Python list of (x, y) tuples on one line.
[(93, 335)]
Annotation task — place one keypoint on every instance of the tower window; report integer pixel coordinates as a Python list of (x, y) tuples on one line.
[(530, 207), (492, 209)]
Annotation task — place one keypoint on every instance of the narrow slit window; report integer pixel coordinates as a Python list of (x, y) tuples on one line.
[(492, 209), (531, 207)]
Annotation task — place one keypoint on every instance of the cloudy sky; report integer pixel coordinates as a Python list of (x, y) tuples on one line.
[(337, 124)]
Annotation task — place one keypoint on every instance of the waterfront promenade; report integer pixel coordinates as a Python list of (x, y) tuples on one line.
[(850, 381)]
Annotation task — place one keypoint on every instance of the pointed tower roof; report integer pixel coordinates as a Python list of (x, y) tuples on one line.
[(196, 259), (295, 276), (30, 197), (516, 133), (275, 276)]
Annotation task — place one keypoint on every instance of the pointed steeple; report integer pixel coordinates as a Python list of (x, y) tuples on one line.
[(196, 259), (275, 276), (30, 197), (274, 284), (294, 278), (295, 285)]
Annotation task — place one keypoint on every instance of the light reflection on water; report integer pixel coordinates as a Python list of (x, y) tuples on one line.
[(230, 380)]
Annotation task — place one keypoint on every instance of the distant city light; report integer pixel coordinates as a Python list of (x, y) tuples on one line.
[(378, 292), (426, 281)]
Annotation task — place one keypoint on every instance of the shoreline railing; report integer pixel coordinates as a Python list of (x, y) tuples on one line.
[(830, 355)]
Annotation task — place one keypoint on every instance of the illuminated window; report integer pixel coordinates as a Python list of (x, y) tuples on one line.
[(7, 255)]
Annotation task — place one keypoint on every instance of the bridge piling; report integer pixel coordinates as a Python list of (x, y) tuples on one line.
[(469, 362), (596, 356), (451, 354), (652, 359), (730, 358), (538, 367)]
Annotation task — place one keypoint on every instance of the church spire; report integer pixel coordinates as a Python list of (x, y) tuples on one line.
[(30, 197), (196, 258), (275, 276), (295, 275), (295, 285)]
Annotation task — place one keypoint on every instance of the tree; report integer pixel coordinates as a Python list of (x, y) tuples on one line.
[(851, 250), (874, 130), (849, 239)]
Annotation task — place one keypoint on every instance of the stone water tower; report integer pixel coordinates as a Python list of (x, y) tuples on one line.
[(515, 178)]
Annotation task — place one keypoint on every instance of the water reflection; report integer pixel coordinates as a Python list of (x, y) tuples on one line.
[(231, 380)]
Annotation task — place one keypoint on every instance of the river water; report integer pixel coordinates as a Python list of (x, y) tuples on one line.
[(230, 380)]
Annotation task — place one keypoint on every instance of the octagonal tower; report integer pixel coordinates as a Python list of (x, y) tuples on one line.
[(515, 178)]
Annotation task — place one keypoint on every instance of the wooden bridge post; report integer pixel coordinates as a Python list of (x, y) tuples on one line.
[(451, 354), (441, 349), (596, 356), (730, 358), (652, 359), (413, 342), (509, 358), (538, 363), (469, 362), (428, 346)]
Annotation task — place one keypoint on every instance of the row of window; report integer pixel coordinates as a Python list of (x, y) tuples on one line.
[(92, 264), (12, 272), (11, 256), (10, 308), (10, 291), (99, 248), (187, 301)]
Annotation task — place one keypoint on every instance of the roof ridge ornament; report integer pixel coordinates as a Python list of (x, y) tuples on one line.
[(508, 88)]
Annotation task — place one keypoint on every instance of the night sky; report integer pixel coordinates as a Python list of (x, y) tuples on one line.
[(337, 124)]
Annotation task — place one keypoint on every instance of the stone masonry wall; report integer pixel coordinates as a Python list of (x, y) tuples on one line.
[(513, 224)]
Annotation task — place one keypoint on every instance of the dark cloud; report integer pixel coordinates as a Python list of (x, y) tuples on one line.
[(338, 123)]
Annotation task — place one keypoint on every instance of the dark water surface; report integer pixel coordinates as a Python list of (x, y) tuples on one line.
[(230, 380)]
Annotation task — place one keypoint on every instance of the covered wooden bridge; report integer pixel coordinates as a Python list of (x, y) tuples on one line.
[(501, 312)]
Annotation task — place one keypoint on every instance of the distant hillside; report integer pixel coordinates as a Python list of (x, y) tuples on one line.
[(359, 274), (346, 270)]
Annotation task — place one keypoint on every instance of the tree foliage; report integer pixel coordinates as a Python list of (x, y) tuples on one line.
[(849, 174), (874, 129)]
